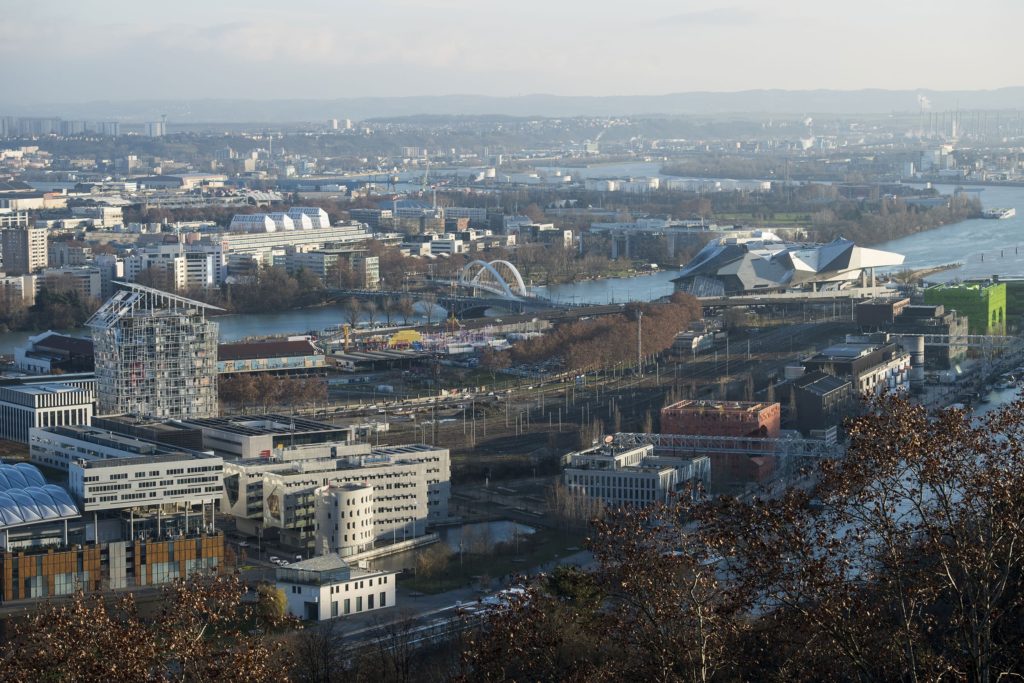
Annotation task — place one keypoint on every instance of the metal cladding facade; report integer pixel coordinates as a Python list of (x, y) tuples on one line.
[(767, 263), (156, 355)]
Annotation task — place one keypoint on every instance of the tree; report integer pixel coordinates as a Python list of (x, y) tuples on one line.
[(352, 310), (271, 602), (203, 632), (433, 560), (406, 309), (903, 561)]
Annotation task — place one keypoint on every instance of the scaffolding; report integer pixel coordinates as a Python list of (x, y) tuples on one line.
[(156, 355)]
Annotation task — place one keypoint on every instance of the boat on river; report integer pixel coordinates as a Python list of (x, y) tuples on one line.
[(999, 214)]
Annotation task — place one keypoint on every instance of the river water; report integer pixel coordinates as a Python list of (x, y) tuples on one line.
[(984, 247)]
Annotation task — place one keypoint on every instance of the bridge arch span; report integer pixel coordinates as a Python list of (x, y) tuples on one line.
[(472, 275)]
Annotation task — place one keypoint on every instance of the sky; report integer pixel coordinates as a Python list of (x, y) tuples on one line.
[(91, 50)]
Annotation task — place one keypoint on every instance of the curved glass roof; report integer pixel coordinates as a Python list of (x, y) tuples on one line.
[(25, 497), (19, 476)]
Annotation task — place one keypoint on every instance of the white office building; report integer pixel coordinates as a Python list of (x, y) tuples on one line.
[(327, 587), (631, 477), (411, 488), (344, 519), (24, 407), (318, 218), (154, 486)]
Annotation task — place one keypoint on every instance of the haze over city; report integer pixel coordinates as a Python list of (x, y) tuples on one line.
[(96, 50)]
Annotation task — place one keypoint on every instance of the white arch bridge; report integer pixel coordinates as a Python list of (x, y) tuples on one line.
[(499, 278)]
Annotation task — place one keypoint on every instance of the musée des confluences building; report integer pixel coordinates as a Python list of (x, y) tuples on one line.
[(765, 263)]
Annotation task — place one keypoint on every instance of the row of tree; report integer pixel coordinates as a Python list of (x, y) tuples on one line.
[(608, 340), (264, 390), (902, 561)]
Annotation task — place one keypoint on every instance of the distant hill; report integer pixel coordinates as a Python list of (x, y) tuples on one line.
[(773, 102)]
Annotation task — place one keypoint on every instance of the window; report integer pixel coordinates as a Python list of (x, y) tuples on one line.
[(359, 603), (383, 599), (348, 606), (369, 601)]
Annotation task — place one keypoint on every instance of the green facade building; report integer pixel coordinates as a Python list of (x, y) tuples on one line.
[(984, 304)]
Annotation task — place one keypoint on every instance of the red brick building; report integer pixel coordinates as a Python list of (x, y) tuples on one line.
[(721, 418), (728, 418)]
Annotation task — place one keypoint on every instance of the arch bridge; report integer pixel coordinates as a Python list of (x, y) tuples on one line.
[(499, 278)]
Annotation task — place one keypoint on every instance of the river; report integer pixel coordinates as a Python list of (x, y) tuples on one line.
[(984, 247)]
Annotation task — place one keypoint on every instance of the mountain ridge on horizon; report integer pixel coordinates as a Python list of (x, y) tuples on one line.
[(697, 103)]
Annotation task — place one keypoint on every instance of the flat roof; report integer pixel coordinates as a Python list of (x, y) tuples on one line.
[(38, 389), (266, 349), (260, 425), (130, 445), (731, 406)]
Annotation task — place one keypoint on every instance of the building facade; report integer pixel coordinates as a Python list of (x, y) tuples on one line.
[(24, 407), (327, 587), (156, 355), (633, 477), (983, 304), (722, 418), (24, 250)]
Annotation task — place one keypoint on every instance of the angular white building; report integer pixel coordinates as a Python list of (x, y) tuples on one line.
[(156, 355)]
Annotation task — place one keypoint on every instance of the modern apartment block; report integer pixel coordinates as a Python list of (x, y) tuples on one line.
[(24, 250), (156, 355)]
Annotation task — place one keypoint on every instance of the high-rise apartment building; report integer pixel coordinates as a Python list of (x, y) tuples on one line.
[(24, 250), (156, 355)]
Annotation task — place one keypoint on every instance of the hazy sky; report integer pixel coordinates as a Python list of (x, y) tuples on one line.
[(116, 50)]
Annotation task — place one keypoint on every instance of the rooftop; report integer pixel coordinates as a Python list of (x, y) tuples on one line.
[(731, 406), (266, 349), (820, 383), (258, 425)]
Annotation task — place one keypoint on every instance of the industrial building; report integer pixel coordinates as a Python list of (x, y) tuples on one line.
[(873, 365), (291, 356), (766, 263), (326, 587), (155, 354), (945, 331), (822, 401), (632, 477), (48, 352), (737, 419)]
